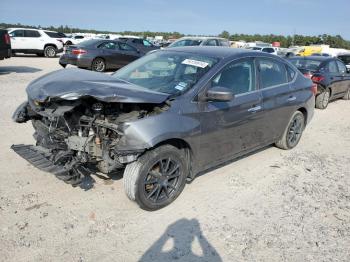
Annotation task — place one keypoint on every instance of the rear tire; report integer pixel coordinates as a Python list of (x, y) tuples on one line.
[(293, 132), (157, 178), (347, 95), (98, 65), (50, 51), (322, 99)]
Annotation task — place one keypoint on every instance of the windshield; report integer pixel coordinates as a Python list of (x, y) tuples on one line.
[(308, 64), (168, 72), (186, 42), (256, 48)]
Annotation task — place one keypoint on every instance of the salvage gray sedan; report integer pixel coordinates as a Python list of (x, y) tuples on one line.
[(165, 117)]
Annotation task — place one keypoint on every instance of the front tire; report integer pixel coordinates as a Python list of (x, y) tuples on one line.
[(50, 51), (98, 65), (322, 99), (293, 132), (157, 178)]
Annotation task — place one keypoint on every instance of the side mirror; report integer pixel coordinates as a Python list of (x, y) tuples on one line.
[(219, 94)]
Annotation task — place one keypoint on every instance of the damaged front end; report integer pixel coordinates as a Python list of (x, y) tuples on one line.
[(75, 137)]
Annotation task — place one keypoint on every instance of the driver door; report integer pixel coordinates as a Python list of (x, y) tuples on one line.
[(231, 128)]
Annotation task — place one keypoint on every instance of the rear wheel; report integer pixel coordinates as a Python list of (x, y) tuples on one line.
[(98, 65), (157, 178), (293, 132), (50, 51), (322, 99), (347, 95)]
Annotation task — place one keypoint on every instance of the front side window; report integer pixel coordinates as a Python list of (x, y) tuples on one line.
[(332, 67), (342, 67), (268, 50), (272, 73), (31, 33), (168, 72), (146, 43), (239, 77), (17, 33)]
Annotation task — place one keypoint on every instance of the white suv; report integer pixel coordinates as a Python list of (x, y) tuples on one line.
[(34, 41)]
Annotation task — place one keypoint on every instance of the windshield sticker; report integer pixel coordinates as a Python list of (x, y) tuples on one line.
[(181, 86), (195, 63)]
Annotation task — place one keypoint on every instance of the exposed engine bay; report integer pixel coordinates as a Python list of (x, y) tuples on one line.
[(79, 136)]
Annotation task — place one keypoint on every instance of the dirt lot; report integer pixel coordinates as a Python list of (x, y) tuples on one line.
[(270, 206)]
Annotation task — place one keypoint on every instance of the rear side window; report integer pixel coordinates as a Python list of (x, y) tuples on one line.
[(342, 67), (17, 33), (55, 34), (137, 41), (268, 50), (332, 67), (224, 42), (291, 73), (31, 33), (78, 37), (239, 77), (272, 73)]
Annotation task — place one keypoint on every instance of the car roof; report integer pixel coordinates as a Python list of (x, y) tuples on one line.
[(20, 28), (218, 52), (200, 38)]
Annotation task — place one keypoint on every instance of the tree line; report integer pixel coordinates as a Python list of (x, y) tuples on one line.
[(334, 41), (300, 40)]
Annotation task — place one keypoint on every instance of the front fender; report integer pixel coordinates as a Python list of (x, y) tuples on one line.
[(150, 131)]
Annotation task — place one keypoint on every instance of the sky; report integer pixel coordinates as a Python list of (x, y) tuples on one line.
[(206, 17)]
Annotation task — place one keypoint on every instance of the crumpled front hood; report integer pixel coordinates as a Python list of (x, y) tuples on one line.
[(72, 84)]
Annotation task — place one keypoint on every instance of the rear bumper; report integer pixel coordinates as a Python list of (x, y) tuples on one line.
[(66, 59)]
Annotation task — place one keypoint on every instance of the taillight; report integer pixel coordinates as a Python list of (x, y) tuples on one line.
[(308, 75), (314, 89), (7, 39), (317, 78), (78, 51)]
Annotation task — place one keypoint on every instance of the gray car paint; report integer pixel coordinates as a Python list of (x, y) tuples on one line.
[(214, 131)]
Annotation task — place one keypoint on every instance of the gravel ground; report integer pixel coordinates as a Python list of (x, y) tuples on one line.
[(273, 205)]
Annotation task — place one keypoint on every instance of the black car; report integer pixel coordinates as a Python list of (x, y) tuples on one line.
[(100, 55), (5, 44), (142, 44), (329, 74), (165, 117)]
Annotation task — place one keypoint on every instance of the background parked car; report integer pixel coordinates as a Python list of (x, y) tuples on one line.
[(200, 41), (34, 41), (141, 44), (346, 60), (100, 55), (330, 74), (5, 44), (270, 50), (75, 39)]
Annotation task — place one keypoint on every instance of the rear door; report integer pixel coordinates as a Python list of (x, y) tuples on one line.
[(335, 78), (111, 53), (17, 39), (345, 82), (229, 128), (128, 53), (33, 40), (278, 97)]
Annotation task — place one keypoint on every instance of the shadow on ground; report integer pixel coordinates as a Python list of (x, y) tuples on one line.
[(178, 244), (17, 69)]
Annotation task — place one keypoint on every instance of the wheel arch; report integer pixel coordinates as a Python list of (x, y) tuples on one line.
[(50, 44), (303, 110), (185, 147)]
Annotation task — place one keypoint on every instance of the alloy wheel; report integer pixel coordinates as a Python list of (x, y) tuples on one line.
[(295, 131), (162, 180), (98, 65)]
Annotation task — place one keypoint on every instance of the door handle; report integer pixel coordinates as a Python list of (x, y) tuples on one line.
[(291, 99), (254, 109)]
